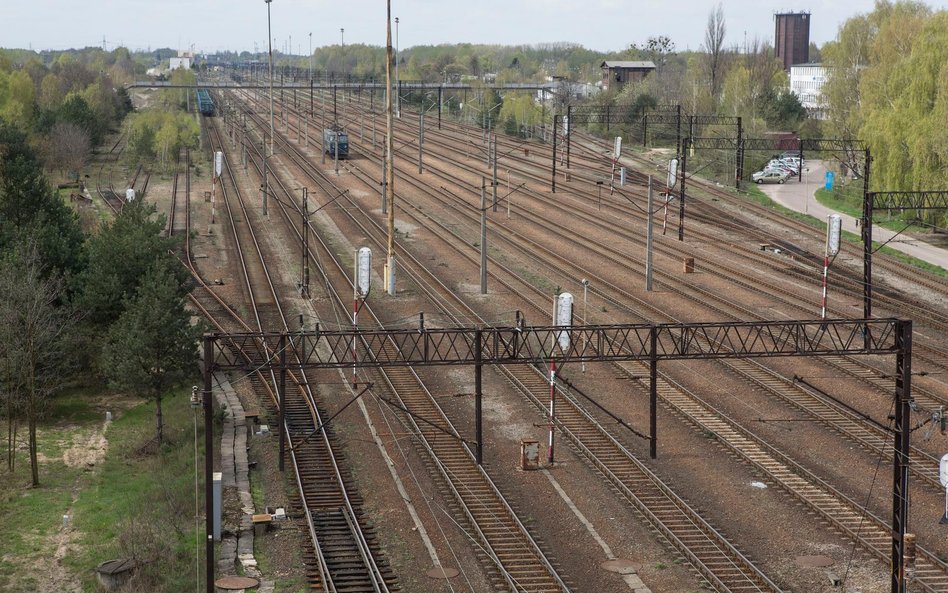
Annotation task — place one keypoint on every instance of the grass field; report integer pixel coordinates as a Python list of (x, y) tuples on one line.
[(756, 195), (121, 499)]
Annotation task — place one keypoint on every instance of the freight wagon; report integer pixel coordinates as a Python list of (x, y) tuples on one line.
[(204, 103)]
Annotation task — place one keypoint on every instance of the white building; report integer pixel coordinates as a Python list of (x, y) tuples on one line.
[(806, 82), (575, 90), (183, 60), (180, 63)]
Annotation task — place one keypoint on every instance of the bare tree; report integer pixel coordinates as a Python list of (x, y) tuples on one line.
[(68, 148), (714, 46), (658, 48), (33, 330)]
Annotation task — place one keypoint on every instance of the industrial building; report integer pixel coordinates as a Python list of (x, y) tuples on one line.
[(616, 74), (792, 38), (806, 82), (184, 60)]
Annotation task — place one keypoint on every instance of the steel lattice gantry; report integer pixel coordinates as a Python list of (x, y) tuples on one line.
[(609, 117), (919, 201), (524, 344), (741, 145)]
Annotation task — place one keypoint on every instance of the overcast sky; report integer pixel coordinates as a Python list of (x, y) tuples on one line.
[(212, 25)]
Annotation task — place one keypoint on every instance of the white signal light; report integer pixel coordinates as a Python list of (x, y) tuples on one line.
[(364, 276), (563, 317), (833, 230), (672, 173)]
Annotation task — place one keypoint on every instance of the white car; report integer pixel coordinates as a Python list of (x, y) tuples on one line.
[(772, 176)]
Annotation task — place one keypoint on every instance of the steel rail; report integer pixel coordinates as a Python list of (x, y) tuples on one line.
[(452, 472), (701, 566)]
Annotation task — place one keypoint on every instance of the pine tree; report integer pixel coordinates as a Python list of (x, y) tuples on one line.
[(152, 346)]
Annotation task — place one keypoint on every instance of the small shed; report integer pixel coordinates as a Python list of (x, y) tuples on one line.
[(616, 73), (112, 574)]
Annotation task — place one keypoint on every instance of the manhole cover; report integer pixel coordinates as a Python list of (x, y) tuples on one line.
[(621, 566), (441, 572), (235, 583), (814, 561)]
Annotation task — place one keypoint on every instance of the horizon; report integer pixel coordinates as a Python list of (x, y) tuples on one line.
[(603, 26)]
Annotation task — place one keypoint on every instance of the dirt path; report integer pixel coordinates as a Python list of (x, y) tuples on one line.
[(88, 450)]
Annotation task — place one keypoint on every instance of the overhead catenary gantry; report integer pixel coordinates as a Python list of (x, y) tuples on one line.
[(656, 115), (741, 145), (523, 344), (900, 201)]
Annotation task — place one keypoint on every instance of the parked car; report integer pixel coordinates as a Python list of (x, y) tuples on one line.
[(790, 167), (777, 167), (791, 162), (770, 176)]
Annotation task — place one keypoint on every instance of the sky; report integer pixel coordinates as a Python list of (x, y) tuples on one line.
[(214, 25)]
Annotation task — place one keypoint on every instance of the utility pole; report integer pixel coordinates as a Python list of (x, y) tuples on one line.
[(304, 280), (483, 236), (494, 183), (648, 239), (389, 150), (265, 189), (421, 140), (398, 98)]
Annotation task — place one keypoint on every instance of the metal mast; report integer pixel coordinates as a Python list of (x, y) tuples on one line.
[(389, 153)]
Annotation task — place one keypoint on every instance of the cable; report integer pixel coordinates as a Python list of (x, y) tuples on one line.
[(426, 498), (872, 483)]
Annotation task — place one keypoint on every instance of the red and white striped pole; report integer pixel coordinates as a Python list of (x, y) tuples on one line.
[(552, 407), (665, 217), (355, 328)]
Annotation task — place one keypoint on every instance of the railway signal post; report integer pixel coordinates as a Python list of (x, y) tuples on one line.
[(833, 229), (562, 317), (361, 286)]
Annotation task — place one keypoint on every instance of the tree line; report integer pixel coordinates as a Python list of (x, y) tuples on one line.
[(888, 86), (80, 309), (67, 104), (887, 82)]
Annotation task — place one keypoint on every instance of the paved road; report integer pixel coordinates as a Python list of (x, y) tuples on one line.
[(799, 196)]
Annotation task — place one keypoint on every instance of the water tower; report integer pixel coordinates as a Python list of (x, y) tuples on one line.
[(792, 38)]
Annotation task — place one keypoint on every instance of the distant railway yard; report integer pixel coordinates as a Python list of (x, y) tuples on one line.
[(750, 474), (471, 317)]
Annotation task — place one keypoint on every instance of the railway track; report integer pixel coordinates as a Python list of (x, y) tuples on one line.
[(344, 554), (106, 192), (836, 508), (753, 283), (505, 544), (840, 520), (809, 263), (927, 471), (717, 561), (850, 282)]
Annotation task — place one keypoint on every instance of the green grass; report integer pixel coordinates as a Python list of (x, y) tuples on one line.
[(848, 199), (157, 489), (754, 194), (29, 516)]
